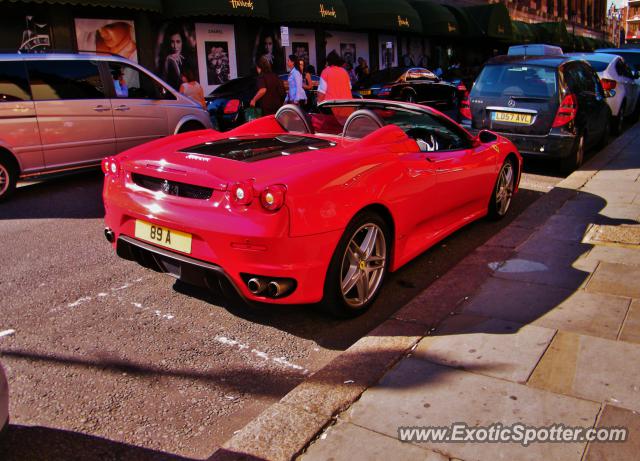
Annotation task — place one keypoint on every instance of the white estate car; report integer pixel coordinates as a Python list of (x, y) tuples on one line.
[(616, 75)]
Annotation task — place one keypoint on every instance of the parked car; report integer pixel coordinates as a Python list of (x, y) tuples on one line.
[(548, 106), (4, 400), (294, 209), (415, 84), (61, 112), (227, 102), (631, 55), (617, 78)]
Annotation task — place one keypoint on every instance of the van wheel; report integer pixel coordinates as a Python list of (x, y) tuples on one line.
[(570, 163), (190, 126), (8, 178), (358, 267), (409, 96), (618, 126)]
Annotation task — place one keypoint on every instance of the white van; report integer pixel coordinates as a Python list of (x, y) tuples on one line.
[(66, 112)]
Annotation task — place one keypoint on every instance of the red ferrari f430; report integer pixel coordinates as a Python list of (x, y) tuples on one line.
[(297, 208)]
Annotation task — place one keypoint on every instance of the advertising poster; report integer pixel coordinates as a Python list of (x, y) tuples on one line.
[(303, 45), (36, 36), (267, 43), (115, 36), (348, 53), (216, 52), (175, 50), (349, 45), (415, 53), (388, 56)]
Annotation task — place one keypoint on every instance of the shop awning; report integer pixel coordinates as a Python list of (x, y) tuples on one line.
[(246, 8), (387, 15), (149, 5), (492, 19), (313, 11), (578, 43), (437, 21), (522, 32), (466, 25), (553, 33)]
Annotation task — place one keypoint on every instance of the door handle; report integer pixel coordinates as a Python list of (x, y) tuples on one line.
[(101, 108), (121, 108)]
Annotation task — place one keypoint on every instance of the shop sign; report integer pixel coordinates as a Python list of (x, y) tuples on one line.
[(403, 22), (235, 4), (325, 12)]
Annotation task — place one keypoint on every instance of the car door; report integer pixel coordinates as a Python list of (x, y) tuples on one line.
[(20, 131), (630, 85), (73, 110), (139, 107)]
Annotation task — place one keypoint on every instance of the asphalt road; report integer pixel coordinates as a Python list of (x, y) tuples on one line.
[(112, 361)]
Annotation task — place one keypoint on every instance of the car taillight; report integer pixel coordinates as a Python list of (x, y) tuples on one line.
[(608, 84), (465, 107), (241, 193), (110, 166), (272, 197), (232, 106), (567, 111), (385, 90), (461, 87)]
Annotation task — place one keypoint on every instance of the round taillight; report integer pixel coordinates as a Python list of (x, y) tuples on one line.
[(241, 194), (272, 198)]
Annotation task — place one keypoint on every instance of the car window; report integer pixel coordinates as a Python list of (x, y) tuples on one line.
[(621, 68), (420, 74), (598, 66), (516, 80), (384, 76), (131, 83), (632, 59), (14, 85), (73, 79)]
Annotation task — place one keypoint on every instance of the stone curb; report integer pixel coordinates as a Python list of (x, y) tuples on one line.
[(286, 428)]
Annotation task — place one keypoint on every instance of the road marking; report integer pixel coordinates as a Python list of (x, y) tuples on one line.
[(157, 312), (7, 333), (85, 299), (282, 361)]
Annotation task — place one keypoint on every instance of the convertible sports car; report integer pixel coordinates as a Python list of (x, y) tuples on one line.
[(293, 209)]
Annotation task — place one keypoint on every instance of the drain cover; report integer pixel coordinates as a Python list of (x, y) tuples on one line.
[(627, 235)]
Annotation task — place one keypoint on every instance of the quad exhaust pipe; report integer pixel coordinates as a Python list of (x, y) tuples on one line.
[(270, 288), (256, 285), (277, 288)]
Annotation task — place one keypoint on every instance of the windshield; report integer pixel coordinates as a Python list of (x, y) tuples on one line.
[(598, 66), (384, 76), (516, 80)]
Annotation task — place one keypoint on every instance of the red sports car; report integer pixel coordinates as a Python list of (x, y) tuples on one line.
[(297, 208)]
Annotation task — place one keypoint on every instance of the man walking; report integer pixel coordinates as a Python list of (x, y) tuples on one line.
[(296, 94)]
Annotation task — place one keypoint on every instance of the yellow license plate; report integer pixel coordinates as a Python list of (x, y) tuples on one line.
[(512, 117), (365, 92), (163, 236)]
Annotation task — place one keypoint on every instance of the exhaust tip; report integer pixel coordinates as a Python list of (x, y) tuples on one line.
[(256, 285), (277, 288), (109, 235)]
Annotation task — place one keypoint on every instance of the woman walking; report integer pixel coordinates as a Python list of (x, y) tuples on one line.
[(270, 89)]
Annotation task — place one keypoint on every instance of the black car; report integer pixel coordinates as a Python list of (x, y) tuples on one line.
[(227, 102), (414, 84), (548, 106)]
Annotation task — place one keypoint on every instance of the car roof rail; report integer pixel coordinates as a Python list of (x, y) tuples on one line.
[(60, 51)]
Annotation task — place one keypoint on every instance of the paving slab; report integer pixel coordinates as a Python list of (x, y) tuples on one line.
[(563, 227), (588, 313), (616, 279), (616, 417), (615, 175), (591, 368), (583, 204), (517, 301), (631, 328), (610, 254), (418, 392), (492, 347), (348, 442), (605, 186), (542, 269), (626, 212), (552, 251)]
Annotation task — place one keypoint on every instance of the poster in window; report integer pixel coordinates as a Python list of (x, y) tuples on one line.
[(216, 54), (268, 45), (111, 36), (348, 52), (175, 51), (218, 70), (36, 36), (301, 50)]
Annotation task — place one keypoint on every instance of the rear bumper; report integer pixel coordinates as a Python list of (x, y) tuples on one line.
[(547, 146)]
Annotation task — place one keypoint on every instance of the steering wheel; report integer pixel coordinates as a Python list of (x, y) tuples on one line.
[(425, 139)]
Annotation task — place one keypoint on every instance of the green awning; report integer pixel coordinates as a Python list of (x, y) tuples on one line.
[(522, 32), (437, 21), (313, 11), (579, 43), (246, 8), (387, 15), (466, 25), (553, 33), (149, 5), (492, 19)]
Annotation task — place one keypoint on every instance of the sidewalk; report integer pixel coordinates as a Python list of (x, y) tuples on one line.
[(544, 328)]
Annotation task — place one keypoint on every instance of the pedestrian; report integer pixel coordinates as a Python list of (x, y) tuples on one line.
[(270, 92), (307, 81), (334, 80), (362, 70), (191, 88), (296, 94)]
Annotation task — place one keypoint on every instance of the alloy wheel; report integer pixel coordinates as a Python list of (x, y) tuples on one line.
[(504, 191), (4, 179), (363, 265)]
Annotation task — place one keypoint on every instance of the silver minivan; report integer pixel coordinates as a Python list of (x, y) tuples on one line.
[(65, 112)]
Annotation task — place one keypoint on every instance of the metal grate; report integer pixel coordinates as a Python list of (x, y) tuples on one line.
[(178, 189)]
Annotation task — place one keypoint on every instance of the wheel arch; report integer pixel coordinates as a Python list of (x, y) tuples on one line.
[(516, 163), (385, 213), (188, 120), (6, 154)]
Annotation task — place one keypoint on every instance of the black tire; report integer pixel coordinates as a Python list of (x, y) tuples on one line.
[(190, 126), (334, 302), (574, 160), (8, 178), (618, 122), (604, 139), (508, 172), (409, 96)]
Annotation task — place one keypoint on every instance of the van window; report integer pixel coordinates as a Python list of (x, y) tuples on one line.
[(516, 80), (14, 85), (131, 83), (75, 79)]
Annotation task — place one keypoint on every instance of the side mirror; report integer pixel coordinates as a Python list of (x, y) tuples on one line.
[(486, 136)]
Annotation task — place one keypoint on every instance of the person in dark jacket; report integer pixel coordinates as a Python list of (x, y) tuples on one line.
[(271, 91)]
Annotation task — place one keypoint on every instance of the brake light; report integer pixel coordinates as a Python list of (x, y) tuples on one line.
[(232, 106), (272, 198), (465, 107), (567, 111), (241, 193), (110, 166), (385, 90), (462, 87), (608, 84)]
